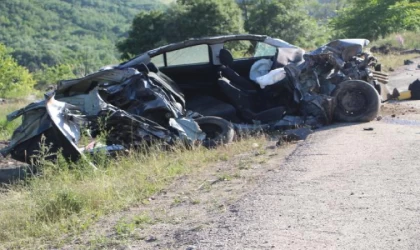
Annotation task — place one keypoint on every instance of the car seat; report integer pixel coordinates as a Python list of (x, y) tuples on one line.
[(205, 105), (244, 94)]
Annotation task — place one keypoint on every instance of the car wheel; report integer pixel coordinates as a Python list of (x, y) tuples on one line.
[(218, 131), (356, 101)]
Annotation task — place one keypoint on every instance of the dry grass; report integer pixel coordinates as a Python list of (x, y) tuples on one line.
[(392, 61), (68, 198)]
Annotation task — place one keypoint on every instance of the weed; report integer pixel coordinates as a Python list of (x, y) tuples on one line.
[(262, 161), (260, 151), (237, 175), (244, 164), (177, 201), (143, 219), (224, 177), (124, 228), (223, 157), (195, 201)]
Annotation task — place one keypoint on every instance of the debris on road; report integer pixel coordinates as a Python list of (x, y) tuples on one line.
[(408, 62), (294, 135), (415, 90), (401, 94)]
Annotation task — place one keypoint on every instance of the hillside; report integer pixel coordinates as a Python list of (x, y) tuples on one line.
[(67, 31), (83, 32)]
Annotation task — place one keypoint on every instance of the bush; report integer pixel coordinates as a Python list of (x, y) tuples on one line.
[(15, 80)]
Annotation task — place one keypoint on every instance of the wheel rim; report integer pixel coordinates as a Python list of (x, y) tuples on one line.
[(212, 131), (353, 102)]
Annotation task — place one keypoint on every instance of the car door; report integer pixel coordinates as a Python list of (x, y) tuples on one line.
[(246, 52), (191, 68)]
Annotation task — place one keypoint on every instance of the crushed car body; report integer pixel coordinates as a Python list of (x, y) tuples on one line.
[(202, 91)]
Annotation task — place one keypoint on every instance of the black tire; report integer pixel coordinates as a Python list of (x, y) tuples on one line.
[(218, 131), (356, 101)]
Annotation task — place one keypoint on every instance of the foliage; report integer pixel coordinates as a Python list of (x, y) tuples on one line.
[(51, 32), (323, 10), (147, 31), (15, 80), (373, 19), (6, 127), (184, 19), (51, 75), (284, 19), (197, 18)]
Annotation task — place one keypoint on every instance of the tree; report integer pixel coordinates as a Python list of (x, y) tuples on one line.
[(198, 18), (15, 80), (323, 10), (52, 32), (51, 75), (147, 31), (284, 19), (372, 19), (184, 19)]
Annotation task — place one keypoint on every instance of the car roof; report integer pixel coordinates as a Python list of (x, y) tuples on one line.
[(192, 42)]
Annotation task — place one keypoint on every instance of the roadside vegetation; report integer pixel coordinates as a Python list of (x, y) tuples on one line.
[(64, 199), (7, 128)]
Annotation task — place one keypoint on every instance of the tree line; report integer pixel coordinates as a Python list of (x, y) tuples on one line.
[(306, 23)]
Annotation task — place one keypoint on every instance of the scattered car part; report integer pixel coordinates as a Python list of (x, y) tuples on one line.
[(401, 94), (294, 135), (415, 90)]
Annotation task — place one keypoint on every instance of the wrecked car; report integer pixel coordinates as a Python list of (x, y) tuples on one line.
[(201, 91)]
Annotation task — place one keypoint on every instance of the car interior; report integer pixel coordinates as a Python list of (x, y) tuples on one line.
[(225, 90)]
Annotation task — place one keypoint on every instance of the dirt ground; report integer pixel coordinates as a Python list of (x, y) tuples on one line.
[(405, 75), (348, 186), (10, 169)]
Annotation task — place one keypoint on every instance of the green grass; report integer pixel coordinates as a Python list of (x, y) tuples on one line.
[(48, 210), (7, 128)]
